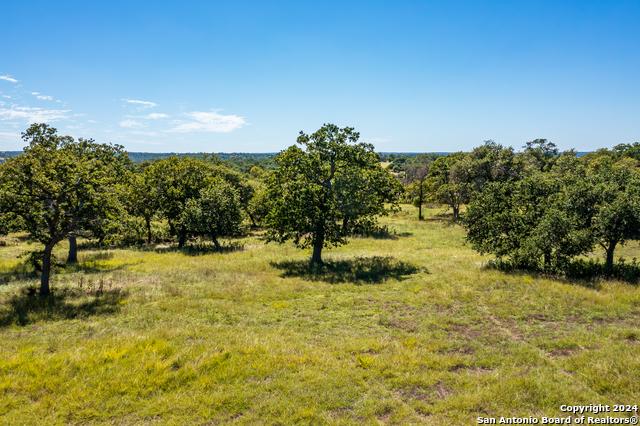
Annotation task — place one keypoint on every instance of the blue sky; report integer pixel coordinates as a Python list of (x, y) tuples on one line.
[(244, 76)]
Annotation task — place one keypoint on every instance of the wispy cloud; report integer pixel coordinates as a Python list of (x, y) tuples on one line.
[(33, 115), (209, 122), (152, 116), (7, 78), (5, 96), (137, 132), (42, 97), (142, 105), (131, 124), (91, 121)]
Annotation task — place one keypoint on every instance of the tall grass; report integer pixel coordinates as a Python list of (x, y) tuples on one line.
[(407, 329)]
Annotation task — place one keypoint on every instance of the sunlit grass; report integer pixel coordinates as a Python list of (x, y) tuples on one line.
[(404, 328)]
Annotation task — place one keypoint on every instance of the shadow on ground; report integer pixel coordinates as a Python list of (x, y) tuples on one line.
[(386, 235), (200, 249), (360, 270), (585, 273), (24, 271), (27, 307)]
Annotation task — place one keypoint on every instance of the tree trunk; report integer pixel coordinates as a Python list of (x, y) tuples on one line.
[(317, 247), (148, 221), (420, 203), (456, 211), (183, 237), (46, 270), (345, 224), (608, 266), (215, 241), (253, 222), (73, 249)]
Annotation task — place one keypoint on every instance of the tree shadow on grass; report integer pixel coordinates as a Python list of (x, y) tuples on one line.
[(24, 271), (359, 270), (18, 272), (27, 308), (201, 248), (384, 235), (585, 273)]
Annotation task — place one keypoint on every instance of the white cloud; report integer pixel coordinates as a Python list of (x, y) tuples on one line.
[(33, 115), (45, 98), (209, 122), (5, 96), (35, 93), (7, 78), (154, 116), (131, 124), (137, 132), (91, 121), (142, 105)]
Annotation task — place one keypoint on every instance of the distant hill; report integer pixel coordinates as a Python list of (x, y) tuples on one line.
[(139, 157)]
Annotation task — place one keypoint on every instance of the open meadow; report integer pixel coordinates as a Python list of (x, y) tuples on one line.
[(404, 328)]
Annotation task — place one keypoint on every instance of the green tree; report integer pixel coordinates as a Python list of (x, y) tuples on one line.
[(546, 219), (143, 196), (179, 179), (540, 154), (334, 186), (258, 206), (56, 185), (527, 222), (447, 184), (608, 200), (416, 177), (215, 213)]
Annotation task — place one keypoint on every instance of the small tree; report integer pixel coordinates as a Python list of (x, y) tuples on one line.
[(416, 177), (143, 199), (319, 195), (53, 189), (448, 184), (215, 213)]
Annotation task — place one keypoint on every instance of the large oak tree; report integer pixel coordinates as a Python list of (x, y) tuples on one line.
[(332, 187), (57, 185)]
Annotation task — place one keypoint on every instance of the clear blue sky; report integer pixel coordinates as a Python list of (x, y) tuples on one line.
[(243, 76)]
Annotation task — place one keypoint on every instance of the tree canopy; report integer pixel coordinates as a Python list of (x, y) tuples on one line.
[(332, 187), (58, 185)]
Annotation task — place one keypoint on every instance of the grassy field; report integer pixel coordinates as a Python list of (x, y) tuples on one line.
[(410, 328)]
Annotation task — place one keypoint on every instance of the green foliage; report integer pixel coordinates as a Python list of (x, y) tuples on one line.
[(258, 206), (524, 222), (335, 186), (418, 187), (59, 186), (547, 219), (540, 154), (446, 184), (215, 213)]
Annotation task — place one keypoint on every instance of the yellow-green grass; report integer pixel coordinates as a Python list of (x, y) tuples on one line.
[(406, 329)]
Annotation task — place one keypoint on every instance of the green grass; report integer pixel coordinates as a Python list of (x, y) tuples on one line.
[(404, 329)]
